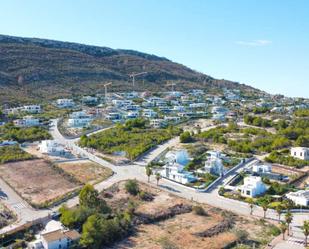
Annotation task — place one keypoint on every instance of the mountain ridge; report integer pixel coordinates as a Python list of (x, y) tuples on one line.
[(35, 68)]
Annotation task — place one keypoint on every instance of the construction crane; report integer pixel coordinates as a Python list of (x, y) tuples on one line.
[(172, 84), (105, 88), (133, 77)]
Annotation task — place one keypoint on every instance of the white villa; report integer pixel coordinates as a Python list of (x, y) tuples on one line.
[(65, 103), (51, 147), (157, 123), (27, 121), (261, 168), (300, 197), (54, 236), (213, 164), (32, 108), (79, 119), (253, 186), (149, 113), (175, 172), (300, 152)]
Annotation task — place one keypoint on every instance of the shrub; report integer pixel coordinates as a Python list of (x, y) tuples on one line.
[(132, 187), (199, 210)]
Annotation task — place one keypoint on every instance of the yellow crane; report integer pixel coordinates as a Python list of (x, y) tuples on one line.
[(133, 75)]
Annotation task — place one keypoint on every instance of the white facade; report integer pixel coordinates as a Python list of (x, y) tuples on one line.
[(157, 123), (253, 186), (79, 119), (214, 165), (149, 113), (300, 153), (27, 121), (175, 172), (32, 108), (300, 197), (261, 168), (65, 103), (51, 147)]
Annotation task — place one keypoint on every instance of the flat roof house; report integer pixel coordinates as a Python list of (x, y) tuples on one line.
[(253, 186), (300, 153), (300, 197)]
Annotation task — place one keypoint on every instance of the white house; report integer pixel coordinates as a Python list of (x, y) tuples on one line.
[(89, 100), (214, 165), (51, 147), (261, 168), (27, 121), (174, 171), (55, 236), (253, 186), (300, 152), (79, 119), (32, 108), (180, 157), (157, 123), (300, 197), (149, 113), (131, 115), (65, 103)]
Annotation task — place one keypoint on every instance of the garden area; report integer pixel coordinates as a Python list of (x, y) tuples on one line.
[(132, 138)]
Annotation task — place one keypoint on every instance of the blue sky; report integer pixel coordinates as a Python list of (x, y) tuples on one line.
[(263, 43)]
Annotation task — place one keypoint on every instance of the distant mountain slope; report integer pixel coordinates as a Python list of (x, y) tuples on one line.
[(32, 68)]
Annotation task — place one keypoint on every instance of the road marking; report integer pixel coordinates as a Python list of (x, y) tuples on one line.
[(18, 205), (296, 241)]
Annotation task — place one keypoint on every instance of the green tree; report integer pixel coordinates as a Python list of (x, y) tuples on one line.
[(158, 177), (283, 227), (279, 210), (148, 172), (186, 137), (264, 204), (288, 219), (92, 232), (251, 204), (305, 229)]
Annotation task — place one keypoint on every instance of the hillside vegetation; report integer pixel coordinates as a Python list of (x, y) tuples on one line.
[(34, 69)]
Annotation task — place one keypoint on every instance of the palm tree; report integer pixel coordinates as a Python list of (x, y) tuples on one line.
[(279, 210), (283, 227), (305, 229), (251, 205), (288, 219), (148, 172), (158, 177), (264, 205)]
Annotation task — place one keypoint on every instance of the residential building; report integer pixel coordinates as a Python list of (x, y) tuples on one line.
[(51, 147), (65, 103), (261, 168), (113, 116), (214, 164), (149, 113), (175, 172), (300, 153), (300, 197), (90, 100), (158, 123), (79, 119), (27, 121), (55, 236), (32, 108), (253, 186)]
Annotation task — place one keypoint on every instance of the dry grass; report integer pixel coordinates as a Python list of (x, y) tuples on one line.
[(37, 181), (86, 171)]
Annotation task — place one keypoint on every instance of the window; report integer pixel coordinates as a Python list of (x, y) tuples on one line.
[(294, 153), (248, 192)]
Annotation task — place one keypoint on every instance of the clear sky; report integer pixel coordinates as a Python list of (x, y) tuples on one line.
[(263, 43)]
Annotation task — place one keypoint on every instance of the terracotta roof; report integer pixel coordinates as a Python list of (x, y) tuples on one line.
[(55, 235), (72, 234), (60, 234)]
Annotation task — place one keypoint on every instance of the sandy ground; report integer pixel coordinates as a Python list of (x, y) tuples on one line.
[(179, 231), (36, 180), (86, 171)]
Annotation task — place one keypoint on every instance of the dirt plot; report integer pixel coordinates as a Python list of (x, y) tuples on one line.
[(86, 171), (37, 181), (182, 230)]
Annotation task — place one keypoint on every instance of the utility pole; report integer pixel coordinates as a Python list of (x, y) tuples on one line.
[(133, 77), (105, 88)]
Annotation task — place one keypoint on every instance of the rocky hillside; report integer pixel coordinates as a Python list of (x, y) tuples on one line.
[(34, 69)]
